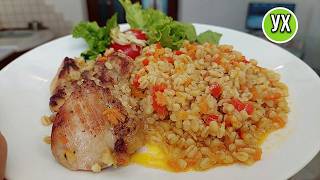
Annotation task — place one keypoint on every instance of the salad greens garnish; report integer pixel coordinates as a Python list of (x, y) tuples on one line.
[(97, 38), (158, 27), (209, 36)]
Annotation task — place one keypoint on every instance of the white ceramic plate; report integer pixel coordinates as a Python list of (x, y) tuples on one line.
[(24, 97)]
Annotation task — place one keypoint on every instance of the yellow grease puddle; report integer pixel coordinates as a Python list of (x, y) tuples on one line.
[(153, 157)]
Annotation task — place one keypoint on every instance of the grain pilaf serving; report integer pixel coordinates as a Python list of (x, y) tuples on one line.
[(193, 103), (207, 105)]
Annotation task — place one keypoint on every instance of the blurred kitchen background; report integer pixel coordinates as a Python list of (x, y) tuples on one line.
[(25, 24)]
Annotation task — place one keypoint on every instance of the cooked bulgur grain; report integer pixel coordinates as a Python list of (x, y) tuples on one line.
[(96, 168), (46, 121), (207, 105), (47, 139)]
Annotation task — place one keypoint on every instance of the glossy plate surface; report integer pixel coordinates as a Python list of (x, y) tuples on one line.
[(24, 97)]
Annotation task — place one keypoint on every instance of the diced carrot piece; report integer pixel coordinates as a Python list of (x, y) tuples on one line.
[(137, 93), (227, 140), (198, 156), (191, 50), (254, 93), (280, 121), (135, 82), (257, 154), (192, 54), (216, 90), (158, 53), (217, 59), (191, 162), (173, 164), (243, 87), (102, 58), (182, 115), (188, 81), (226, 66), (241, 134), (158, 45), (235, 63), (180, 69), (227, 122), (210, 118), (273, 96), (203, 105)]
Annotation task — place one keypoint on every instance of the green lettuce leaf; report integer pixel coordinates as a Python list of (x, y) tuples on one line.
[(154, 18), (111, 23), (210, 37), (173, 35), (134, 14), (89, 54), (86, 30), (190, 31), (156, 24), (97, 38)]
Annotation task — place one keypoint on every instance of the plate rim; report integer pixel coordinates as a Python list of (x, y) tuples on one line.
[(288, 174)]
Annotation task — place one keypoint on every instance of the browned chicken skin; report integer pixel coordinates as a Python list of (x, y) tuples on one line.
[(61, 85), (91, 126)]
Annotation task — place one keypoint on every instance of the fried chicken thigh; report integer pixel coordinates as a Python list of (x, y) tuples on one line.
[(91, 126)]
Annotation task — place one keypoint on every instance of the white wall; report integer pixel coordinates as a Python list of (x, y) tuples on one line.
[(313, 37), (72, 10), (232, 14), (227, 13)]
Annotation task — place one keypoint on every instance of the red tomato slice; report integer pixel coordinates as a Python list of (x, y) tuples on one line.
[(238, 105), (139, 34), (210, 118), (161, 110), (168, 59), (241, 133), (158, 87), (130, 50), (178, 52), (249, 108), (216, 90)]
